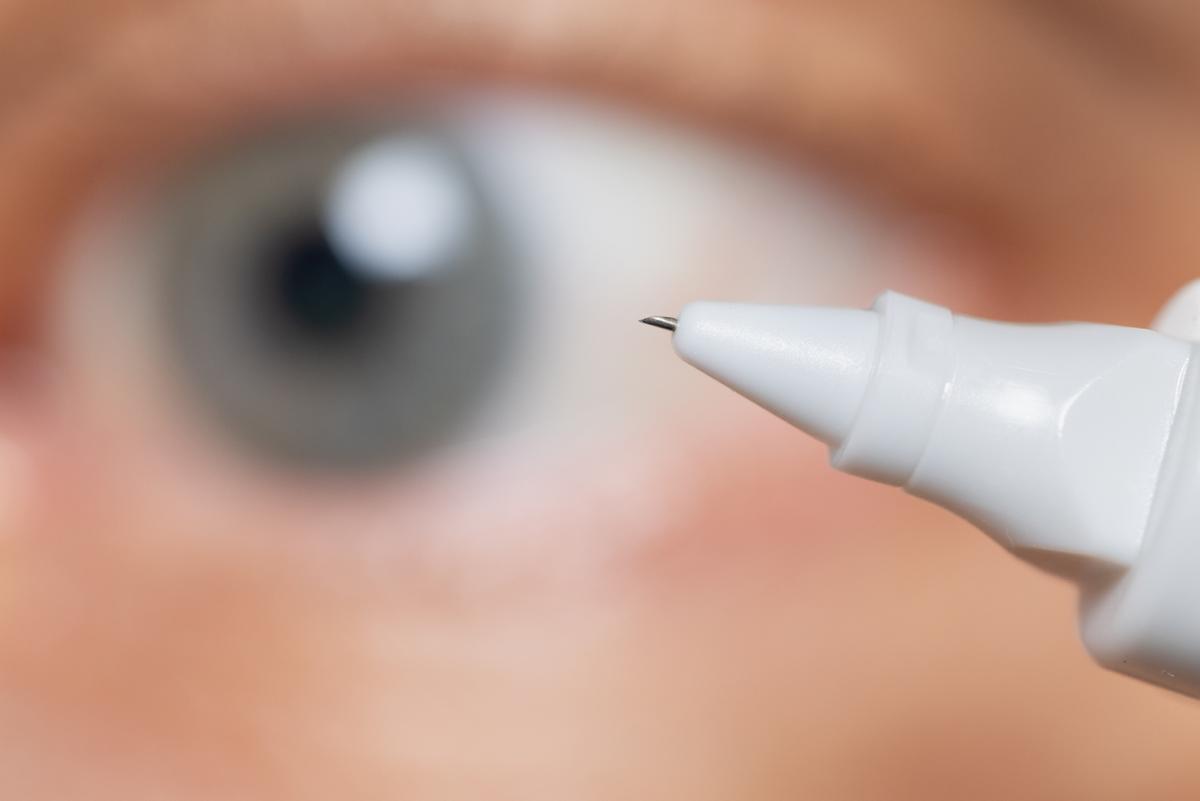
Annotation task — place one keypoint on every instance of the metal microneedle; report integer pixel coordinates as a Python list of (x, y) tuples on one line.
[(665, 323)]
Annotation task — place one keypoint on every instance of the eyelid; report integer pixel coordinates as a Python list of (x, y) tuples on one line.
[(192, 65), (146, 82), (151, 79), (156, 80)]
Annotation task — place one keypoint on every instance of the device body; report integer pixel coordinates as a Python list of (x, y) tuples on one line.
[(1075, 446)]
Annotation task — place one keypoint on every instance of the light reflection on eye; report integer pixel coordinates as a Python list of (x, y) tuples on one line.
[(399, 209), (340, 297)]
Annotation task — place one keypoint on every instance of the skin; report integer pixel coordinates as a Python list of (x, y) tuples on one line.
[(176, 626)]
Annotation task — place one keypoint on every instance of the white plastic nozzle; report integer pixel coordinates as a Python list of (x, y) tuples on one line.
[(1075, 446), (1180, 317), (1050, 438), (809, 365)]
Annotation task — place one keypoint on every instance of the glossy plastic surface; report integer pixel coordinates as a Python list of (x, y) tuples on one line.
[(1075, 446)]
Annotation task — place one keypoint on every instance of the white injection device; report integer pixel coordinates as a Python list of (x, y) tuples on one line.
[(1075, 446)]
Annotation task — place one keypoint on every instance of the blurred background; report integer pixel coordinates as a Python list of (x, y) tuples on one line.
[(334, 464)]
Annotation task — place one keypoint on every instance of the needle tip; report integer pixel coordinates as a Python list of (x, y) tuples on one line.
[(665, 323)]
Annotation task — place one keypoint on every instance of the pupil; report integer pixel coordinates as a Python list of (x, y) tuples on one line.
[(320, 296)]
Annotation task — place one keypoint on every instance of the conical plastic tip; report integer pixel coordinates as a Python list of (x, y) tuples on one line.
[(808, 365)]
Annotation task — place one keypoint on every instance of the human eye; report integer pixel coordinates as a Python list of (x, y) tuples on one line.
[(367, 289), (338, 295)]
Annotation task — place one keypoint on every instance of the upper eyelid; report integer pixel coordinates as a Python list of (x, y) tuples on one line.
[(179, 69), (160, 78), (155, 79)]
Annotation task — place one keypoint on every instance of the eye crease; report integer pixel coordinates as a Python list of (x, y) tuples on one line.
[(340, 297)]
